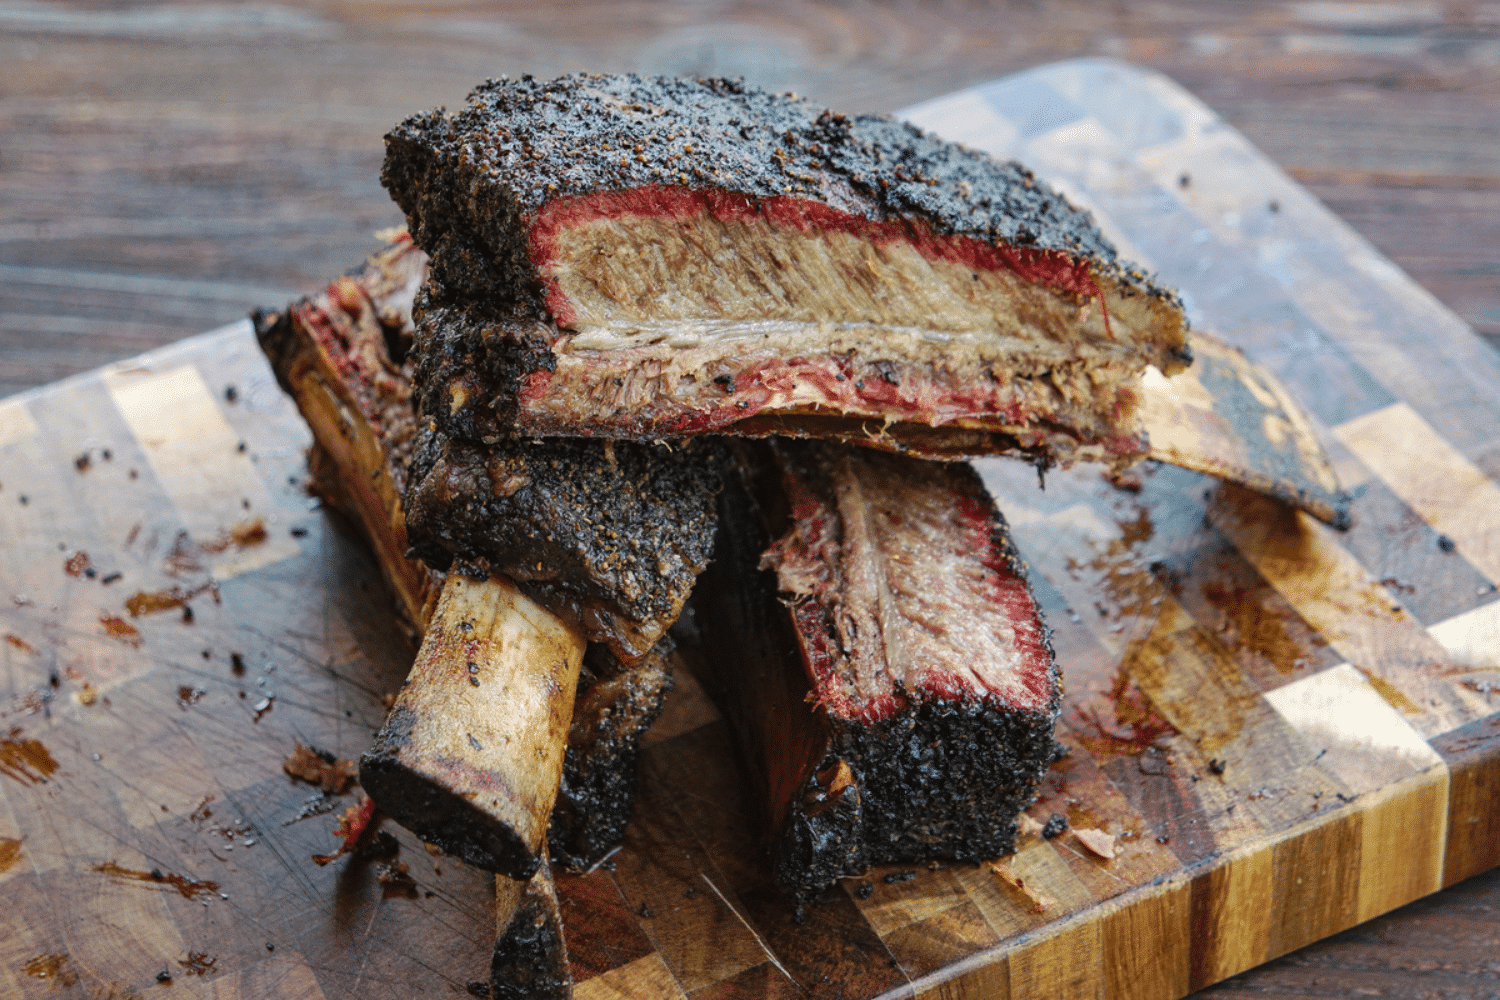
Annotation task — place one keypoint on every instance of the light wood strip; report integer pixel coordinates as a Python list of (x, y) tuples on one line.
[(1433, 477), (15, 422), (1401, 780), (1472, 639), (193, 452), (645, 977), (1336, 595), (1361, 738), (1146, 946)]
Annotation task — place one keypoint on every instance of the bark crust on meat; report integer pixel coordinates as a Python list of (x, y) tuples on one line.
[(897, 701), (645, 258)]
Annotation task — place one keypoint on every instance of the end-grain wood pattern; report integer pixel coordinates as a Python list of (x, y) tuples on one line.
[(1285, 729)]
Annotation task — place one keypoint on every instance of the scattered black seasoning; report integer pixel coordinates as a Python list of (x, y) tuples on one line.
[(187, 614), (164, 976), (112, 577), (106, 454), (24, 499), (904, 876), (298, 532), (207, 654), (90, 572), (1216, 766), (1185, 181), (1446, 544), (236, 663), (691, 893), (231, 394), (645, 912), (478, 988), (270, 946), (240, 447), (1056, 826), (473, 680), (1274, 206), (865, 889)]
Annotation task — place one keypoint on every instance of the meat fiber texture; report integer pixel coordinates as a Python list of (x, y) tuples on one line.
[(897, 702), (648, 258)]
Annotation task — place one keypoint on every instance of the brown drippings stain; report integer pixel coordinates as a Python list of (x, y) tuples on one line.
[(241, 536), (1137, 531), (10, 853), (1262, 631), (119, 628), (1136, 726), (143, 603), (1390, 693), (77, 564), (52, 967), (188, 887), (20, 643), (27, 761), (188, 696), (198, 963)]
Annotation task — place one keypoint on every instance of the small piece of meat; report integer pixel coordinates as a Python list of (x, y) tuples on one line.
[(644, 258), (612, 534), (898, 702)]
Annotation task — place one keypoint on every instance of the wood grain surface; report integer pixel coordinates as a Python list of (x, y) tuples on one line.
[(1286, 729), (168, 166)]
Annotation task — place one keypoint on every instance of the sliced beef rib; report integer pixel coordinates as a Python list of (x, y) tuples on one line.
[(646, 257), (897, 702)]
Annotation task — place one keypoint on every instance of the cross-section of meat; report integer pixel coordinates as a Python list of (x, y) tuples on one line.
[(650, 258), (897, 702)]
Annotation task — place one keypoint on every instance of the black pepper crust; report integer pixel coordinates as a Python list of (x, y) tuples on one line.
[(471, 181), (615, 706), (628, 525)]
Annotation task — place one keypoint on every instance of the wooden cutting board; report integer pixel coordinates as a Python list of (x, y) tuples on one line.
[(1285, 729)]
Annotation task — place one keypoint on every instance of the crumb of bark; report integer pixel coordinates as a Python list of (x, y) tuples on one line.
[(1446, 544), (901, 876), (321, 768), (1217, 766), (478, 988)]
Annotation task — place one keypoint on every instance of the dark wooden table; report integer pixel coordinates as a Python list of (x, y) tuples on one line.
[(165, 168)]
